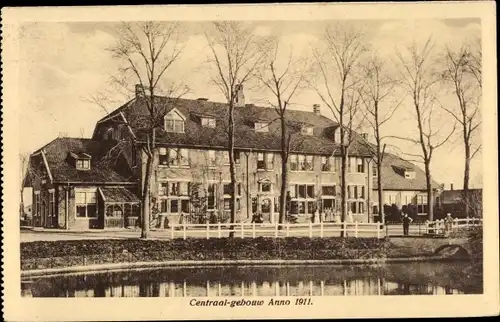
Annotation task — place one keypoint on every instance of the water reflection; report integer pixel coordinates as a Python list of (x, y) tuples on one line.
[(259, 281)]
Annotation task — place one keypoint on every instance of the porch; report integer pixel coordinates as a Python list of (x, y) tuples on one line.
[(121, 207)]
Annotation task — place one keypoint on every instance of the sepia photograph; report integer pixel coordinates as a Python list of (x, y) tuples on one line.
[(251, 163)]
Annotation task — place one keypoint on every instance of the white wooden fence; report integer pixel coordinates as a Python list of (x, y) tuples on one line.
[(439, 226), (253, 230)]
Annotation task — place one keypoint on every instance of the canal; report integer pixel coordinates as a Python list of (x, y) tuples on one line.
[(388, 279)]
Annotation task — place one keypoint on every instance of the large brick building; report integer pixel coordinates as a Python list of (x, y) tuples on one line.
[(95, 183)]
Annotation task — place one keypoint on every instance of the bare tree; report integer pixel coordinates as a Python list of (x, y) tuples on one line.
[(418, 78), (283, 81), (337, 69), (24, 164), (462, 74), (378, 89), (147, 50), (235, 57)]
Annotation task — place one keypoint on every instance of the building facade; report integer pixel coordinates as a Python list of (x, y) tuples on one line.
[(404, 189), (98, 182)]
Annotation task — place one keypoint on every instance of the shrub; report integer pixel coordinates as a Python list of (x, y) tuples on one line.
[(300, 248)]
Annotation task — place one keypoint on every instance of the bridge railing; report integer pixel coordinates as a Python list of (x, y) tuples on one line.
[(439, 227)]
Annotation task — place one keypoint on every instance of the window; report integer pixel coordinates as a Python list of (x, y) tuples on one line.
[(212, 161), (409, 174), (227, 189), (174, 157), (163, 156), (261, 127), (294, 165), (265, 161), (174, 125), (422, 204), (82, 164), (52, 203), (300, 162), (163, 189), (328, 191), (360, 165), (236, 157), (208, 122), (114, 211), (36, 209), (212, 190), (265, 187), (302, 191), (86, 204), (355, 192), (390, 198), (183, 155), (227, 204)]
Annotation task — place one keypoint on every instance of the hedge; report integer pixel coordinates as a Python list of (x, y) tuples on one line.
[(46, 254)]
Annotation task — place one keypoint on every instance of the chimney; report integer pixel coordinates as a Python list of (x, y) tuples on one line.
[(316, 109), (139, 90), (451, 186), (240, 96)]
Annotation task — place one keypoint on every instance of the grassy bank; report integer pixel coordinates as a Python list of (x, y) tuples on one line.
[(52, 254)]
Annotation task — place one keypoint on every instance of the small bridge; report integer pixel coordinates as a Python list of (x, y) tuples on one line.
[(448, 247)]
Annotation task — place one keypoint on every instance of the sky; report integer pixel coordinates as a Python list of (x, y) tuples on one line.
[(63, 65)]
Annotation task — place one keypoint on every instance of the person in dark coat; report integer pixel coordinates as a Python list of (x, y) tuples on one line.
[(406, 224)]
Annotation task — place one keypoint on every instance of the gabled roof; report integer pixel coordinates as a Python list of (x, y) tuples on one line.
[(246, 137), (117, 195), (393, 177), (62, 170)]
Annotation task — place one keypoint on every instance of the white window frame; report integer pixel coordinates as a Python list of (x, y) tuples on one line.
[(86, 191), (268, 159), (209, 122)]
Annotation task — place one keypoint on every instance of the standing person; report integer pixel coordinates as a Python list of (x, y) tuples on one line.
[(406, 224), (350, 217), (448, 223)]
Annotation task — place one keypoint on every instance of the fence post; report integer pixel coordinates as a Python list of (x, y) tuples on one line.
[(379, 227), (310, 230), (172, 231), (321, 229), (207, 227), (219, 233), (242, 229), (287, 229), (276, 229), (356, 229), (184, 231), (253, 230)]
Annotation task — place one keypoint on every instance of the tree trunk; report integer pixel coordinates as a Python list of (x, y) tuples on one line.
[(430, 204), (465, 197), (232, 170), (146, 211), (380, 191), (284, 173), (343, 184)]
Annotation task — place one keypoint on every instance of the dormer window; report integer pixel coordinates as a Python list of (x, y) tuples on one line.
[(174, 121), (82, 160), (261, 127), (208, 122), (409, 174), (83, 164), (307, 130)]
